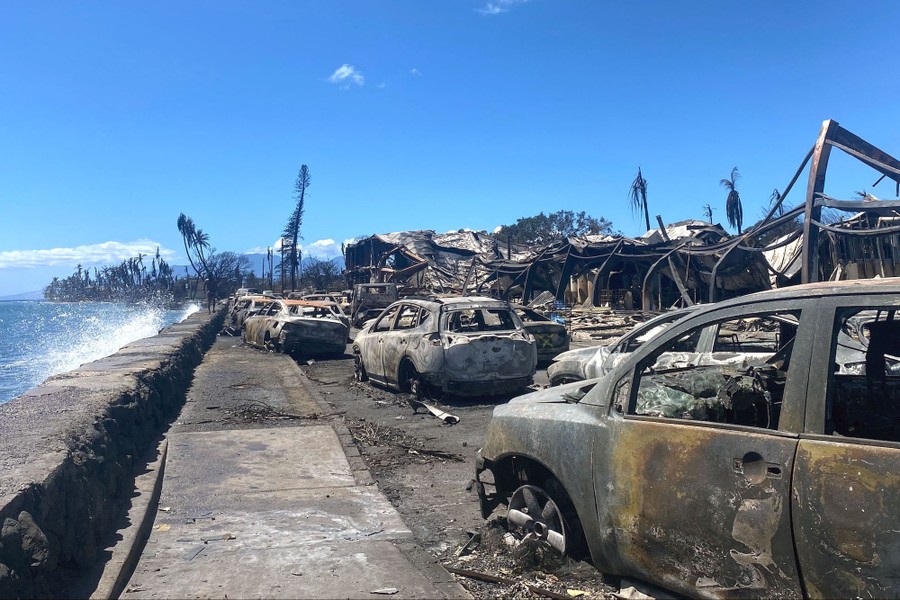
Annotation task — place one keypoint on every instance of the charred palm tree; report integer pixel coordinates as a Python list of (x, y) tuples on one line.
[(775, 199), (638, 196), (733, 209), (708, 212)]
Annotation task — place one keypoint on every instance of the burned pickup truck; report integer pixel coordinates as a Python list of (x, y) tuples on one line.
[(771, 476), (461, 346)]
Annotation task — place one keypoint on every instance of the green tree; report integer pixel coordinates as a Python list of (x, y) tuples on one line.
[(733, 209), (292, 229), (227, 269), (544, 229), (638, 197), (321, 274)]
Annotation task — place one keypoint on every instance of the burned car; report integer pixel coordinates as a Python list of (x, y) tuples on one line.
[(774, 476), (298, 327), (550, 337), (596, 361), (247, 306), (461, 346)]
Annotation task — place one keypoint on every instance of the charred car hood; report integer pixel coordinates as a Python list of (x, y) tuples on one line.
[(566, 394), (579, 354)]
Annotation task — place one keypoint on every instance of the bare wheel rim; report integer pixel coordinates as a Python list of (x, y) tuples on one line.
[(533, 511), (359, 371)]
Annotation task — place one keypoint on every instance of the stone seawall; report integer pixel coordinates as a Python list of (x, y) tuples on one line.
[(68, 450)]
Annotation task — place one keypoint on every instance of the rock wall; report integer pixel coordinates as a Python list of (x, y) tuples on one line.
[(68, 449)]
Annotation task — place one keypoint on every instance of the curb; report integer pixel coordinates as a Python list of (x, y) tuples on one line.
[(358, 467), (422, 560), (126, 553)]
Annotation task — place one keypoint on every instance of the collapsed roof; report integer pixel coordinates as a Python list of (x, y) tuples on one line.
[(668, 263)]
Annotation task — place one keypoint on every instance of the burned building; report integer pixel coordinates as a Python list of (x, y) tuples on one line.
[(662, 268), (677, 264)]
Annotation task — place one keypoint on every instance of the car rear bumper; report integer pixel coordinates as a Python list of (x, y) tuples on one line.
[(488, 387)]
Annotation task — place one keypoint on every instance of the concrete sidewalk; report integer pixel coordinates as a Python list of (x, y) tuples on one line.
[(264, 495)]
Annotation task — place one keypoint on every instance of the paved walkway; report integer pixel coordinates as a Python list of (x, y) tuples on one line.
[(263, 495)]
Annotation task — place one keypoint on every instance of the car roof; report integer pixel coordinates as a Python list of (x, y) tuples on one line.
[(858, 287), (313, 303), (453, 301)]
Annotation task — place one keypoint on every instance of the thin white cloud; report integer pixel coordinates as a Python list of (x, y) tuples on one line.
[(322, 249), (345, 75), (497, 7), (106, 253), (415, 72)]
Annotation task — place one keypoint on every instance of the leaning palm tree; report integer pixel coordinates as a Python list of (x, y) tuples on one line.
[(187, 230), (638, 197), (733, 209)]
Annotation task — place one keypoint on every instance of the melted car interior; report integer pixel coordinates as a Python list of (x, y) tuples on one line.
[(740, 381), (864, 388)]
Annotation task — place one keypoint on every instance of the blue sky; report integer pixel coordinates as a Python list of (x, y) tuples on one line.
[(416, 114)]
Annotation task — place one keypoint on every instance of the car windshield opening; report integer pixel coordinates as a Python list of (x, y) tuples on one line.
[(477, 320)]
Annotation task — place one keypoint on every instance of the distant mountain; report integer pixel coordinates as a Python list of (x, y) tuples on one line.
[(256, 264), (257, 260), (37, 295)]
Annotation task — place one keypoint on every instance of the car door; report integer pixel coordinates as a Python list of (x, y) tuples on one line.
[(396, 341), (274, 320), (373, 357), (847, 472), (693, 476)]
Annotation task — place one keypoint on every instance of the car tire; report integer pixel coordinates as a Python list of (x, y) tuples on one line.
[(547, 513), (359, 369)]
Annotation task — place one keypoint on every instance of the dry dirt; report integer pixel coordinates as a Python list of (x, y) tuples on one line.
[(425, 468)]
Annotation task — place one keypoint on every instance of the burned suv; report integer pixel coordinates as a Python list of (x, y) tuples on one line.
[(762, 465), (461, 346)]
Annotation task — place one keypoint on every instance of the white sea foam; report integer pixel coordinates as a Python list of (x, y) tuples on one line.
[(40, 339)]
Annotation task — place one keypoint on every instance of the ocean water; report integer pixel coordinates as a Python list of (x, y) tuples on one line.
[(40, 339)]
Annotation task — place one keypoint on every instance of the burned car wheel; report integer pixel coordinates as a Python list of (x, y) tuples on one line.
[(359, 370), (271, 344), (532, 510)]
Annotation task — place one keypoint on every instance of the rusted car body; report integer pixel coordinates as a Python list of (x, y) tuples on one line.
[(597, 361), (771, 477), (550, 337), (298, 327), (247, 306), (461, 346)]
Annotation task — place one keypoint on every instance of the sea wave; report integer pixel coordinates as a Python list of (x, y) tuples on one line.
[(41, 339)]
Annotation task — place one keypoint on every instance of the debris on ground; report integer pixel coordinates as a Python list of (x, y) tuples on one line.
[(374, 435), (500, 565), (443, 416)]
